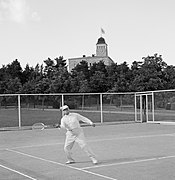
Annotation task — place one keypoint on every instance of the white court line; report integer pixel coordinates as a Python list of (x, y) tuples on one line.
[(129, 162), (95, 140), (133, 137), (22, 174), (64, 165)]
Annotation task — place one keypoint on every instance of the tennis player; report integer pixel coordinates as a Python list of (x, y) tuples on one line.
[(70, 122)]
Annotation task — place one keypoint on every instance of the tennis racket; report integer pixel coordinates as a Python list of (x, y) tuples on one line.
[(42, 126)]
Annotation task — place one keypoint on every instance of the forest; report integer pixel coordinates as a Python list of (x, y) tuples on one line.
[(149, 74)]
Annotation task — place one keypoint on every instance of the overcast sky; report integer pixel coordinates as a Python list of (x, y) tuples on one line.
[(33, 30)]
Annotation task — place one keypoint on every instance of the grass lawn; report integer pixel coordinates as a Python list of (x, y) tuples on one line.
[(9, 117)]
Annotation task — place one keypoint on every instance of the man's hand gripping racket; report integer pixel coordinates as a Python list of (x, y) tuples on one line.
[(93, 125)]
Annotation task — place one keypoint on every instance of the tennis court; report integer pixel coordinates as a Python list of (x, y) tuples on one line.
[(125, 151)]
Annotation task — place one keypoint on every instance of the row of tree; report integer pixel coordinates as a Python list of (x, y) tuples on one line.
[(152, 73)]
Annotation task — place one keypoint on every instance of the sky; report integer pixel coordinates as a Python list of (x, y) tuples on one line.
[(35, 30)]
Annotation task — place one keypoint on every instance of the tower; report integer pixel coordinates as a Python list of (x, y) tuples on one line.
[(101, 47), (101, 55)]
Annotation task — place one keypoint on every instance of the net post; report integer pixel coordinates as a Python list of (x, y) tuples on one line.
[(135, 100), (147, 108), (101, 107), (19, 111), (153, 105), (82, 106), (62, 101), (141, 118)]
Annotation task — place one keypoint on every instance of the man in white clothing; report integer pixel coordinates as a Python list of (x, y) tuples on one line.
[(70, 122)]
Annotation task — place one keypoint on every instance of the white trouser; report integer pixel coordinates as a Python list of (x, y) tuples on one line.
[(76, 135)]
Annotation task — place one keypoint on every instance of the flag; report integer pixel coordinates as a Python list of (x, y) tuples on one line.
[(102, 31)]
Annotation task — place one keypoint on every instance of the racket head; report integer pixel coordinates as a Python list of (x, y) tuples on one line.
[(38, 126)]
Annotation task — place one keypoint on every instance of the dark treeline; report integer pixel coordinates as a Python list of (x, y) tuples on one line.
[(152, 73)]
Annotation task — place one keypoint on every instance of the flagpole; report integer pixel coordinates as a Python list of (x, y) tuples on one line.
[(102, 31)]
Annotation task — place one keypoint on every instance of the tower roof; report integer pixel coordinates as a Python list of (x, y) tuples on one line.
[(101, 40)]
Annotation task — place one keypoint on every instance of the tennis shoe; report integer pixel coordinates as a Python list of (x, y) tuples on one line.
[(94, 161), (70, 162)]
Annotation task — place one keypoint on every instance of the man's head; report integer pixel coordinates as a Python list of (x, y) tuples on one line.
[(65, 109)]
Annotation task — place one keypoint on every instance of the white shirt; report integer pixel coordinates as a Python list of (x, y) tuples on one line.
[(71, 121)]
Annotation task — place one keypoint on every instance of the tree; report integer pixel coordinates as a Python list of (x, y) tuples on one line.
[(111, 75), (98, 82), (149, 76), (43, 86), (14, 70), (60, 81), (13, 86), (3, 73), (60, 62), (28, 74), (79, 83), (100, 66), (3, 87), (28, 87), (80, 78), (169, 77), (121, 78), (49, 68), (81, 68)]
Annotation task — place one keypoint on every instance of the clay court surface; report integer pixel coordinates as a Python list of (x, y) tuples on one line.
[(125, 151)]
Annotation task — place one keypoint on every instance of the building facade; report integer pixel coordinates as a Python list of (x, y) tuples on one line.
[(101, 55)]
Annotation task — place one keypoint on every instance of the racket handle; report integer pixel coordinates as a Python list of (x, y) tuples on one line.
[(93, 125)]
